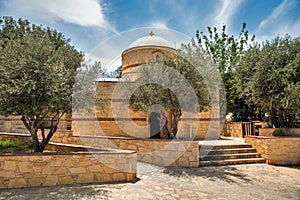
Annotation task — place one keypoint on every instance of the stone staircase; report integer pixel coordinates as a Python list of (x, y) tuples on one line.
[(229, 154)]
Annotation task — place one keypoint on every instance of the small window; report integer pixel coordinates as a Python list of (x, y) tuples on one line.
[(157, 58)]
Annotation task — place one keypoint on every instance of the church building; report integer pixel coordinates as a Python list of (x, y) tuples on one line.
[(141, 51)]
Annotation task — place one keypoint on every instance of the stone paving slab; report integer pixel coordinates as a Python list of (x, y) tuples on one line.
[(254, 181)]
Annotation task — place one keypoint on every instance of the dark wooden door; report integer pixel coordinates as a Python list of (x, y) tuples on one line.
[(154, 125)]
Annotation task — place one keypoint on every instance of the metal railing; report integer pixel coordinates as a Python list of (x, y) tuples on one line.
[(248, 128)]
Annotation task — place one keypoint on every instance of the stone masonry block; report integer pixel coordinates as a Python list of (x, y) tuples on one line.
[(17, 183), (119, 177), (51, 180), (85, 178)]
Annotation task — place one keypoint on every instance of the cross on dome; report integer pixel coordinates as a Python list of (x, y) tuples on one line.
[(151, 40), (151, 33)]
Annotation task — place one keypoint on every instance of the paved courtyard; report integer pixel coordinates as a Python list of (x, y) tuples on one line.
[(254, 181)]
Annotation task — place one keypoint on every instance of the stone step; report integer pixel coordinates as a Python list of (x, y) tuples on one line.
[(232, 162), (227, 151), (231, 146), (230, 156)]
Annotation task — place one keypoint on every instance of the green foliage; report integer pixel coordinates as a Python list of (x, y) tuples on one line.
[(118, 72), (11, 146), (167, 93), (269, 78), (85, 87), (8, 143), (37, 71), (279, 132), (226, 51), (114, 74)]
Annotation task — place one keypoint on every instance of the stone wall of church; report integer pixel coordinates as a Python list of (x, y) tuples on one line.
[(109, 122), (132, 58), (134, 124)]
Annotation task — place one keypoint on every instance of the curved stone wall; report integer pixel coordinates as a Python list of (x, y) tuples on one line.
[(134, 57), (48, 169)]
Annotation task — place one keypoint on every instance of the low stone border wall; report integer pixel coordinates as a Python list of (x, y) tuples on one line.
[(173, 153), (14, 124), (268, 132), (277, 150), (162, 152), (232, 129), (48, 169)]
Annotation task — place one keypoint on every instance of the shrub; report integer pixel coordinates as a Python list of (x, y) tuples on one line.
[(8, 143), (279, 132), (11, 146)]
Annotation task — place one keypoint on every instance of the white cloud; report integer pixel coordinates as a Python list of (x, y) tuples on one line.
[(79, 12), (279, 23), (84, 13), (159, 24), (225, 13), (277, 13)]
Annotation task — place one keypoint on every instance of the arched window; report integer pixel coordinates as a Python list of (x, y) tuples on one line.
[(157, 58)]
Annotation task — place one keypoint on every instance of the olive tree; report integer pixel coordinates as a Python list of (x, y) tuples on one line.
[(269, 78), (37, 71)]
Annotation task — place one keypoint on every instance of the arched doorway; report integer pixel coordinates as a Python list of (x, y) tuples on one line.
[(154, 125)]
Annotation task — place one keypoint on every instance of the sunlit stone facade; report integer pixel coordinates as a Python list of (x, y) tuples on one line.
[(142, 51)]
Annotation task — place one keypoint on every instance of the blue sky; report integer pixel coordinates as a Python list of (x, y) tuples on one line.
[(90, 22)]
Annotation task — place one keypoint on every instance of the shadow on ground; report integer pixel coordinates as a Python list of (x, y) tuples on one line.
[(66, 192), (226, 173)]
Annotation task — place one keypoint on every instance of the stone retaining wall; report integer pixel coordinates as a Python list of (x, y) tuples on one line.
[(175, 153), (48, 169), (268, 132), (277, 150), (14, 124), (233, 129)]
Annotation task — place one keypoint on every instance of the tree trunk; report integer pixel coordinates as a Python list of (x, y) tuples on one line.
[(35, 140), (277, 118), (273, 118), (164, 132), (281, 118), (175, 122), (165, 125), (170, 126), (169, 119), (47, 139), (32, 125)]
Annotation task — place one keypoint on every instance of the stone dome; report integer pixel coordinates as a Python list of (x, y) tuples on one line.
[(143, 50), (151, 40)]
